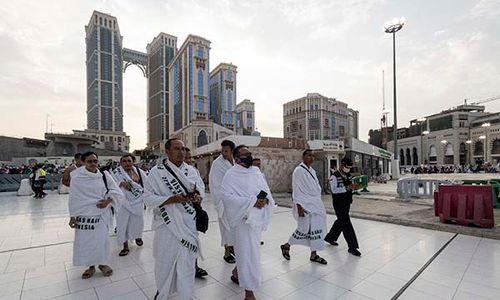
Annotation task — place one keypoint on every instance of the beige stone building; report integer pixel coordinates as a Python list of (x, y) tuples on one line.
[(445, 138), (316, 117)]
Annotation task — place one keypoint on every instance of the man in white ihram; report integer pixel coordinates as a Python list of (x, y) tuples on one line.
[(130, 216), (91, 195), (171, 194), (248, 205), (217, 171), (308, 210)]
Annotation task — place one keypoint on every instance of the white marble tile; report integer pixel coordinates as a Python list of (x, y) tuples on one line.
[(88, 294), (116, 289), (392, 254)]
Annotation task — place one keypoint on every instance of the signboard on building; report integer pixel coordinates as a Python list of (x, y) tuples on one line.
[(326, 145)]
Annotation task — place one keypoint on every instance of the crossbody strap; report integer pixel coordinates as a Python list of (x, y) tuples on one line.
[(308, 172)]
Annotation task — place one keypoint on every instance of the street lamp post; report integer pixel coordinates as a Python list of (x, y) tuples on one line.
[(486, 146), (392, 27), (422, 133)]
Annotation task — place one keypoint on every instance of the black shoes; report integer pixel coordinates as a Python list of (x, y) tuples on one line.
[(331, 242), (354, 252), (200, 273)]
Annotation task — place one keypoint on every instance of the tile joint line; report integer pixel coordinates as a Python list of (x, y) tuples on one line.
[(422, 269)]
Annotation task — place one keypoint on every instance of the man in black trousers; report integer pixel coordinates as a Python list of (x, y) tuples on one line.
[(341, 186)]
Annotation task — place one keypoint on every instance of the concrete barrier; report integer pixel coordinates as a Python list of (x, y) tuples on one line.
[(25, 188)]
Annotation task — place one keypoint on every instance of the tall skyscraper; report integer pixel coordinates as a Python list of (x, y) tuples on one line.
[(223, 95), (161, 52), (104, 73), (188, 77), (246, 117)]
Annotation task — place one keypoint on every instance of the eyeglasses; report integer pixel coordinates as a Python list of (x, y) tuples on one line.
[(94, 161)]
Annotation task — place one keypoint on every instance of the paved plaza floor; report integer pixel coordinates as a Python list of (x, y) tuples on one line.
[(36, 253)]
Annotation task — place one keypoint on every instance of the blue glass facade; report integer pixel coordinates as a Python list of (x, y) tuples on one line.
[(190, 87), (223, 96), (104, 77)]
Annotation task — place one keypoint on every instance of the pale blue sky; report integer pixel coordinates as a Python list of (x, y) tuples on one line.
[(447, 51)]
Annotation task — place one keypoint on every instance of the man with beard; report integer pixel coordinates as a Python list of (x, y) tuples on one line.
[(172, 195)]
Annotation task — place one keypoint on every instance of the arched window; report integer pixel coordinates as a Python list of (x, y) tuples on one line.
[(495, 148), (202, 138), (408, 157), (463, 154), (401, 157), (478, 148), (415, 156), (432, 154), (448, 154)]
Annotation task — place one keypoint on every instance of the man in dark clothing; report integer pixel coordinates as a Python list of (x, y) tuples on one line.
[(341, 186)]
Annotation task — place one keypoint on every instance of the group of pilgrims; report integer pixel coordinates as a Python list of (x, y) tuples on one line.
[(175, 191)]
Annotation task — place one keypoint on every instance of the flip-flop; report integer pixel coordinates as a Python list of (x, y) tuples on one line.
[(319, 260), (106, 270), (139, 242), (285, 251), (124, 252), (88, 273)]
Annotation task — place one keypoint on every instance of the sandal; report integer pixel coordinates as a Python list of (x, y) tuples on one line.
[(139, 242), (319, 260), (235, 280), (230, 259), (285, 251), (200, 273), (124, 252), (88, 273), (106, 270)]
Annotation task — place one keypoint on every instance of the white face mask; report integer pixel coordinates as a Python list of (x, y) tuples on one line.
[(346, 170)]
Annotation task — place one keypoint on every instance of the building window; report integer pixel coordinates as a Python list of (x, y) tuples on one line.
[(102, 138)]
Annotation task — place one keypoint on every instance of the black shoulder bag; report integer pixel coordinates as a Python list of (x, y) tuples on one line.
[(201, 215)]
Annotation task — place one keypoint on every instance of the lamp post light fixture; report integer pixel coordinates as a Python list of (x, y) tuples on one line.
[(392, 27)]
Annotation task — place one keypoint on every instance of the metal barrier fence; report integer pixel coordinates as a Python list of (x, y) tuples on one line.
[(418, 188), (12, 182)]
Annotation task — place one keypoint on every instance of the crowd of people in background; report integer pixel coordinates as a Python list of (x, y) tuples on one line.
[(448, 169)]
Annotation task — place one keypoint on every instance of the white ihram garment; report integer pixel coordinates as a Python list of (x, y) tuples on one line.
[(311, 229), (217, 171), (240, 188), (130, 216), (176, 245), (91, 244)]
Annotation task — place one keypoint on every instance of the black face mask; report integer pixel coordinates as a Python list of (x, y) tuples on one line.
[(247, 161)]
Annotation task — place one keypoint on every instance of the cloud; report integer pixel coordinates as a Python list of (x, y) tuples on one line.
[(283, 49), (485, 9)]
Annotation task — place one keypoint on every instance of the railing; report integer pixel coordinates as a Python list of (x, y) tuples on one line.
[(11, 182)]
